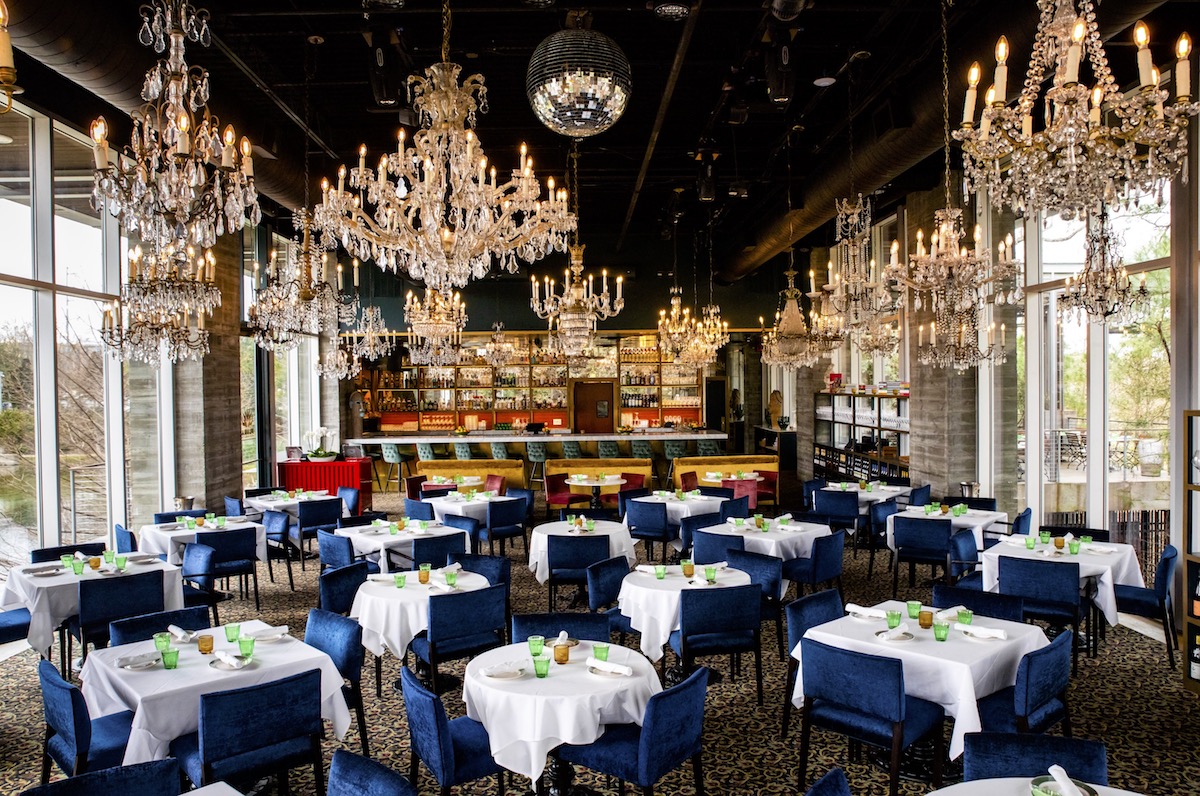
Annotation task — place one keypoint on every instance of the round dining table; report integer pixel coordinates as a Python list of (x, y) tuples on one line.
[(1012, 786), (596, 484), (620, 543), (652, 605), (392, 617)]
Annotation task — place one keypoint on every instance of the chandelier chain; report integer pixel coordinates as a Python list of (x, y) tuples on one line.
[(446, 23), (946, 97)]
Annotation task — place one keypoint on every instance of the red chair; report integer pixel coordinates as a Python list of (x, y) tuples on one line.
[(559, 495), (743, 488), (496, 483), (412, 486), (768, 488), (632, 481), (689, 481)]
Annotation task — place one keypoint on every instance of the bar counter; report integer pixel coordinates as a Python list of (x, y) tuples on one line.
[(411, 437)]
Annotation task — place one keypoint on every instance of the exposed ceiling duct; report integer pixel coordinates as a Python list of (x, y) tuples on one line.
[(891, 153)]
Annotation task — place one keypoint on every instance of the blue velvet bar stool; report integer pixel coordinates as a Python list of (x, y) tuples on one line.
[(397, 462), (462, 451), (673, 449), (425, 451), (608, 449), (708, 447), (642, 449), (499, 450), (571, 450)]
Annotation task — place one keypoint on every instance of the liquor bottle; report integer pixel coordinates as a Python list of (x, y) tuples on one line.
[(1196, 599), (1194, 670)]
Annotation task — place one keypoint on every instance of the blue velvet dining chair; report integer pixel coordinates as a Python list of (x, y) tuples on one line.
[(1154, 603), (810, 487), (587, 627), (718, 491), (74, 741), (313, 516), (840, 507), (692, 523), (141, 628), (984, 603), (626, 495), (992, 755), (496, 570), (832, 784), (14, 624), (964, 561), (169, 516), (876, 536), (920, 540), (353, 775), (670, 736), (234, 507), (125, 541), (456, 751), (587, 512), (1050, 591), (468, 525), (461, 625), (235, 555), (505, 520), (42, 555), (604, 581), (734, 507), (804, 613), (720, 622), (418, 510), (766, 572), (338, 551), (1038, 699), (568, 557), (357, 522), (102, 601), (277, 526), (530, 499), (156, 778), (648, 522), (338, 587), (709, 548), (921, 495), (341, 639), (824, 565), (436, 550), (267, 728), (976, 503), (199, 581), (350, 497), (862, 697)]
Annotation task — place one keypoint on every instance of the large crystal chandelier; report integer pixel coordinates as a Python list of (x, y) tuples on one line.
[(709, 332), (1103, 291), (1096, 145), (880, 337), (435, 327), (372, 339), (675, 323), (578, 80), (498, 351), (854, 291), (789, 343), (444, 218)]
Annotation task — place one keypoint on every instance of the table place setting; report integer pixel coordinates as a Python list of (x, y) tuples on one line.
[(620, 543), (169, 538), (650, 597), (393, 608)]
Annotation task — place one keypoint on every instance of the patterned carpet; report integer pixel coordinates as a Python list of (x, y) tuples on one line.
[(1127, 697)]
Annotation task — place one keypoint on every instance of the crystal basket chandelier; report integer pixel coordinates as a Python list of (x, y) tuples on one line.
[(439, 214), (435, 328), (854, 291), (573, 314), (1103, 291), (674, 323), (498, 351), (709, 332), (339, 363), (789, 343), (1096, 145), (372, 339)]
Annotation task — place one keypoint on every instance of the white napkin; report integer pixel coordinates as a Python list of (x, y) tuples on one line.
[(108, 568), (719, 565), (896, 632), (1064, 782), (950, 613), (141, 657), (712, 476), (609, 666), (698, 580), (440, 584), (179, 634), (140, 556), (981, 632), (231, 660), (1018, 540), (1068, 536), (265, 632), (80, 556), (746, 523), (507, 667), (1051, 551), (1099, 548), (646, 568), (873, 613), (455, 567), (563, 638)]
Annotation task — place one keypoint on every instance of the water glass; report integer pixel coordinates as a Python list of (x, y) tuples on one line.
[(246, 646), (914, 609), (121, 562), (928, 508), (893, 619), (936, 506), (1030, 542), (424, 525), (571, 519), (710, 574), (1085, 539), (660, 571), (170, 658), (688, 567), (941, 630), (1045, 537), (232, 632), (162, 641), (210, 515), (393, 528), (966, 616), (221, 521), (679, 494), (562, 653), (423, 573), (739, 521), (600, 651), (541, 665), (77, 565), (66, 561), (590, 524), (536, 645), (181, 519), (204, 644), (400, 580), (108, 556), (1073, 546), (191, 523), (451, 579)]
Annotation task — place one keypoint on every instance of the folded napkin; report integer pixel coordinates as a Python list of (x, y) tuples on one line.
[(698, 580), (1051, 551), (79, 555), (646, 568), (231, 660), (440, 584), (712, 476), (1018, 540), (108, 568), (1099, 548), (47, 568), (507, 667), (720, 565), (861, 610), (141, 657), (1065, 785), (896, 632), (563, 637), (950, 613), (1067, 537), (609, 666), (179, 634), (662, 493), (455, 567), (981, 632), (383, 578), (266, 632)]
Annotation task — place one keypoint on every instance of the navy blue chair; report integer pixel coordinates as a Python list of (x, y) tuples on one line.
[(140, 628), (455, 751), (840, 507), (587, 627), (338, 551), (992, 755), (461, 625), (352, 775), (530, 500), (977, 503), (102, 601), (418, 510), (964, 561), (338, 587), (568, 558), (1023, 523), (505, 520), (496, 570), (648, 522), (350, 497), (823, 566), (984, 603), (1038, 700), (157, 778), (862, 697), (920, 540), (199, 582), (709, 548), (832, 784), (1154, 603), (595, 514), (125, 540), (468, 525), (235, 555), (14, 624), (234, 507), (1050, 591), (43, 555), (74, 741), (357, 522), (277, 526), (341, 639), (604, 581), (810, 487), (720, 622), (717, 491), (169, 516), (313, 516), (804, 613), (267, 728), (920, 496), (734, 507), (626, 495), (436, 550), (766, 572), (670, 735), (876, 536), (689, 525)]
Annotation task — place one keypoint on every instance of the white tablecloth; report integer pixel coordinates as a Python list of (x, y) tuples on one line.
[(1011, 786), (372, 540), (166, 704), (459, 505), (786, 541), (527, 717), (688, 507), (619, 544), (169, 539), (652, 605), (1108, 570), (878, 493), (391, 617), (975, 520), (288, 505), (51, 600), (216, 789), (954, 673)]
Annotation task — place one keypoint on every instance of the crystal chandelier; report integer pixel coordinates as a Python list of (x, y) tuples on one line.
[(498, 351), (675, 324), (435, 328), (1096, 145), (445, 217), (789, 343), (338, 364), (709, 333), (853, 291), (1103, 290), (880, 337), (372, 339)]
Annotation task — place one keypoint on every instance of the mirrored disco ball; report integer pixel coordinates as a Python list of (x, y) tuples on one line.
[(578, 82)]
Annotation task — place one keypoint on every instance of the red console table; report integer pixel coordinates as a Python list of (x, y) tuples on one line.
[(329, 476)]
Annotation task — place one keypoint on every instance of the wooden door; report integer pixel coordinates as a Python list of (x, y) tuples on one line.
[(595, 407)]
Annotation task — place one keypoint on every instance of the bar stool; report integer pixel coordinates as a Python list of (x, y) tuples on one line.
[(609, 449), (571, 450), (462, 451), (642, 449), (536, 453), (499, 450), (708, 447), (673, 449), (397, 463), (425, 451)]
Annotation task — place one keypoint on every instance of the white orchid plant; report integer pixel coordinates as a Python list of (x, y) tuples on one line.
[(316, 440)]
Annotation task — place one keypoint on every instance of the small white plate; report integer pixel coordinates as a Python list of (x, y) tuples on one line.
[(271, 639), (142, 562), (864, 618), (507, 675), (108, 573), (978, 639), (49, 573), (217, 663), (601, 673), (137, 667), (900, 639)]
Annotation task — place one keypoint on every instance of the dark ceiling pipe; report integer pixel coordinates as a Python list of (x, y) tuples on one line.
[(98, 50), (879, 162)]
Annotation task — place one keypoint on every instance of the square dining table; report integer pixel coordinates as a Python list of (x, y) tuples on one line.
[(169, 538), (376, 540)]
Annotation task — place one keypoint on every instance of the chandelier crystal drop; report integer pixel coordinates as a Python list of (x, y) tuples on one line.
[(1103, 290), (435, 327), (1095, 144), (373, 340), (498, 351)]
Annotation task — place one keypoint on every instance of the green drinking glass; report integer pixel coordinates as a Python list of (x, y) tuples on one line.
[(966, 616), (1073, 546), (452, 579), (1030, 542), (77, 565), (914, 608), (536, 645), (162, 641), (170, 658), (108, 556), (660, 571), (424, 525), (1045, 537), (210, 515), (590, 524), (191, 523), (232, 632), (221, 521), (941, 630), (928, 508), (400, 580), (121, 562), (246, 646), (600, 651), (893, 619), (571, 519), (66, 561), (710, 574), (1085, 539), (393, 528), (541, 665)]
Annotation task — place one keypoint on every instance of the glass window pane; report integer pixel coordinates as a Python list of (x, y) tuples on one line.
[(306, 380), (18, 424), (144, 488), (16, 225), (249, 413), (78, 239), (283, 405), (81, 445), (1062, 248), (1144, 228), (1065, 414)]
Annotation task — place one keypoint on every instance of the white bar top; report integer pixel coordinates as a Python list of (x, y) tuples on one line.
[(409, 438)]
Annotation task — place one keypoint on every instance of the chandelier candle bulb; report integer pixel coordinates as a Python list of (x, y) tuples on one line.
[(100, 137), (1074, 51), (6, 49), (1145, 60), (1000, 82), (183, 141), (1159, 111), (341, 179), (228, 153), (973, 75), (1183, 68), (247, 160), (354, 262)]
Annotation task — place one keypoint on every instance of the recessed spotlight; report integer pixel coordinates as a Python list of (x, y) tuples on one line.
[(5, 139), (824, 81), (671, 10)]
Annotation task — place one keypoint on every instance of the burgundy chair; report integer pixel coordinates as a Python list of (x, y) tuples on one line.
[(496, 483), (412, 486), (689, 481), (632, 481), (559, 495), (768, 488), (743, 488)]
